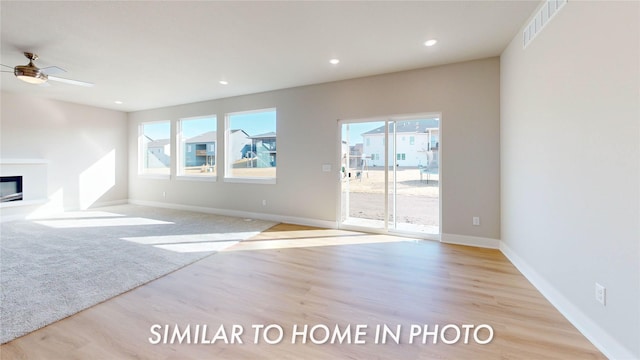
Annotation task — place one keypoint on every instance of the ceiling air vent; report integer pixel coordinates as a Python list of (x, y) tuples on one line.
[(541, 19)]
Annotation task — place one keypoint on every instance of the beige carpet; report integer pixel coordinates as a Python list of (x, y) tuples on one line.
[(53, 268)]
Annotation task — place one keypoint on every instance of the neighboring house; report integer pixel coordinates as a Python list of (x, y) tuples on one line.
[(157, 153), (355, 159), (239, 145), (417, 144), (355, 155), (264, 149), (201, 149)]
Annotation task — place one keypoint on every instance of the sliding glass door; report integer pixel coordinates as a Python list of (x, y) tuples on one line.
[(362, 174), (390, 178)]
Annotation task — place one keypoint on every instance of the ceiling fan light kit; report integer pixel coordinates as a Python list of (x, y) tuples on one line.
[(33, 75), (30, 73)]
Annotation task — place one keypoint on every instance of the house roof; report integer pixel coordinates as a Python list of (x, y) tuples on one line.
[(233, 131), (408, 126), (208, 137), (271, 134)]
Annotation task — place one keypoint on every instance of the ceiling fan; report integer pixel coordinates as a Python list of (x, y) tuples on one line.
[(33, 75)]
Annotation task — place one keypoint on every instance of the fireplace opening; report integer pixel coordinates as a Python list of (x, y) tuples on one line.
[(10, 188)]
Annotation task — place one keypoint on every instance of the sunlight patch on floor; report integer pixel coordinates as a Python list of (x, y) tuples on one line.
[(188, 243), (190, 238), (80, 215), (198, 247), (103, 222), (312, 238)]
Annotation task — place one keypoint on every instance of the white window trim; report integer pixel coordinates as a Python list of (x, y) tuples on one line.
[(197, 178), (227, 132), (250, 180), (180, 153)]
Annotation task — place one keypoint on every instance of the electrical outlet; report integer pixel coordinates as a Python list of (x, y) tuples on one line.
[(164, 194), (476, 221), (601, 294), (264, 202)]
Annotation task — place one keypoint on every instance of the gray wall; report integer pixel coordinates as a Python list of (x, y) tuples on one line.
[(467, 95), (570, 137), (85, 147)]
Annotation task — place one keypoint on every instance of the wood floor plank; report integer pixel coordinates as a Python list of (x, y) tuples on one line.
[(294, 275)]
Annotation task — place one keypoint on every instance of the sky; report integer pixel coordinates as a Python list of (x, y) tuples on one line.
[(357, 129), (253, 123)]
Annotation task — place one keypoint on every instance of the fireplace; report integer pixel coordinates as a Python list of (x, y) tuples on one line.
[(10, 188)]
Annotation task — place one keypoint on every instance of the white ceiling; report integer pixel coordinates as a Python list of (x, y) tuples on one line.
[(158, 53)]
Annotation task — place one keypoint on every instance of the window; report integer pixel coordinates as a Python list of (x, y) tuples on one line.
[(197, 138), (412, 140), (154, 148), (401, 156), (251, 145)]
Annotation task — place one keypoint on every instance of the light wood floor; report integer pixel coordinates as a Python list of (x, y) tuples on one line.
[(292, 275)]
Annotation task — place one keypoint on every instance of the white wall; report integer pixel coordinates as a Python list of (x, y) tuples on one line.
[(467, 95), (85, 149), (570, 163)]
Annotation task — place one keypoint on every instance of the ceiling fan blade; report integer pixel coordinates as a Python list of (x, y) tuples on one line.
[(52, 70), (71, 82)]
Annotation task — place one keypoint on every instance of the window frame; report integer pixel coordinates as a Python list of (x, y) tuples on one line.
[(227, 150), (180, 175)]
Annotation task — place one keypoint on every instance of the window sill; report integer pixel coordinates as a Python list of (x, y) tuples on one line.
[(248, 180), (197, 178)]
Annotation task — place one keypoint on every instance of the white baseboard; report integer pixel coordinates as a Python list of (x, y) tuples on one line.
[(470, 241), (609, 346), (241, 214)]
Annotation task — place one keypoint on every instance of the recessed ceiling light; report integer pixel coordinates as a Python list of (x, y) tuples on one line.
[(430, 42), (334, 61), (224, 82), (119, 102)]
